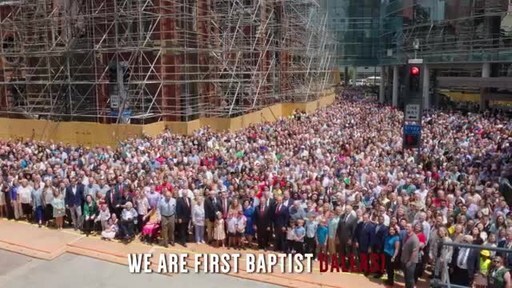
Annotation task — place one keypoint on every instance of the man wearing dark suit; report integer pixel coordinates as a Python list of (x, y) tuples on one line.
[(345, 232), (363, 238), (465, 263), (113, 198), (225, 202), (377, 245), (280, 218), (263, 223), (183, 214), (74, 199), (211, 207), (269, 202)]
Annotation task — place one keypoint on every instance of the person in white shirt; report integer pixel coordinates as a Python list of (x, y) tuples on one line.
[(422, 192), (103, 217), (198, 219), (25, 198), (290, 238), (231, 223), (128, 221), (112, 230)]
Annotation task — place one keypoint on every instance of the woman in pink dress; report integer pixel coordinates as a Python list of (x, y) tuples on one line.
[(150, 229)]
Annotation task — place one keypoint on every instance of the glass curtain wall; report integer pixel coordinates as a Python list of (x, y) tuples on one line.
[(356, 27), (449, 31)]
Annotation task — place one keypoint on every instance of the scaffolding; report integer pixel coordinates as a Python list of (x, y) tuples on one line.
[(147, 60)]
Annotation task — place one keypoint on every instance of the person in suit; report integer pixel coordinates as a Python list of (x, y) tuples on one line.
[(362, 239), (225, 203), (280, 218), (464, 263), (345, 232), (270, 202), (74, 199), (113, 198), (377, 244), (211, 207), (183, 214), (263, 223)]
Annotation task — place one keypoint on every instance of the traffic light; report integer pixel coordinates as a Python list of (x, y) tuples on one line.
[(414, 79), (412, 141)]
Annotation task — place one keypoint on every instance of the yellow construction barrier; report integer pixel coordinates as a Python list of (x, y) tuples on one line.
[(92, 134)]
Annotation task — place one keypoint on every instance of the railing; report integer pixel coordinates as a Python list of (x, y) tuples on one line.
[(437, 282)]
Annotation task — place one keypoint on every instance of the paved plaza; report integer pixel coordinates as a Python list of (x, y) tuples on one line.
[(21, 271), (61, 257)]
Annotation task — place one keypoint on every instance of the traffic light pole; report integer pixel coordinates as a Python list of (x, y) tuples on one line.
[(413, 114)]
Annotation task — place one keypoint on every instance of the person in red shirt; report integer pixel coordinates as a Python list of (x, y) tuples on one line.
[(165, 184), (262, 187), (435, 174), (440, 200), (420, 267)]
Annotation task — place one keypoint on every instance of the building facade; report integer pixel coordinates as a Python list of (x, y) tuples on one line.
[(355, 24), (459, 41)]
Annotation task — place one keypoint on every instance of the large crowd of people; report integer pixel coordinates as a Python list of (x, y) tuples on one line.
[(333, 181)]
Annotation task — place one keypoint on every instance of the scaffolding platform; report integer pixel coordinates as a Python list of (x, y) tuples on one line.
[(175, 60)]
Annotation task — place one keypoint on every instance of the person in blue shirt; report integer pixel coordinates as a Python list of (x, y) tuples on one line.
[(13, 197), (37, 203), (310, 243), (322, 233), (402, 233), (300, 234), (391, 249)]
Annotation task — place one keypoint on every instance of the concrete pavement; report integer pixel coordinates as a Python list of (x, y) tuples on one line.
[(48, 244), (76, 271)]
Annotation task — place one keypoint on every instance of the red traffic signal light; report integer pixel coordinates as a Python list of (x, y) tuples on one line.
[(415, 71)]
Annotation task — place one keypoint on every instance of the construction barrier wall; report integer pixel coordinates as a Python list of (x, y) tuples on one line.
[(92, 134)]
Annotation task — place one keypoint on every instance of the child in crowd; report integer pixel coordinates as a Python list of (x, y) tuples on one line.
[(232, 222), (290, 237), (103, 217), (150, 229), (111, 232), (219, 233), (311, 227), (240, 228), (322, 233), (300, 234)]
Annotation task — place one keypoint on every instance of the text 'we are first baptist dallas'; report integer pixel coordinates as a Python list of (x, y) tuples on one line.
[(220, 263), (253, 263)]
